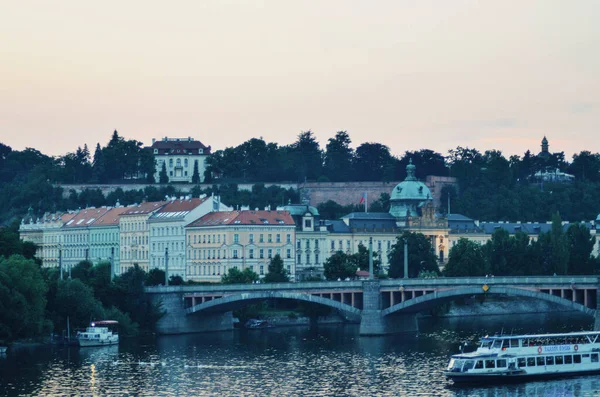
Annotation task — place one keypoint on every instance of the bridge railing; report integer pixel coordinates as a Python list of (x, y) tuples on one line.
[(228, 288), (533, 280)]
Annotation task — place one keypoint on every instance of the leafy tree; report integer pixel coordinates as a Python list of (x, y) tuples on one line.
[(155, 277), (81, 271), (163, 178), (372, 161), (339, 157), (340, 266), (74, 299), (306, 156), (466, 260), (196, 174), (22, 298), (427, 162), (497, 252), (586, 166), (175, 280), (235, 276), (98, 166), (361, 259), (277, 273), (560, 246), (420, 256), (581, 244)]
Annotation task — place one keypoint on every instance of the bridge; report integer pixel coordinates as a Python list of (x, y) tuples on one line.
[(381, 306)]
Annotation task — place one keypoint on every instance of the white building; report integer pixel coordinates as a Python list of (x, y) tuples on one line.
[(104, 238), (76, 236), (167, 230), (179, 155)]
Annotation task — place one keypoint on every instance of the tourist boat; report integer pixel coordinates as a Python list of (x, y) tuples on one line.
[(99, 333), (522, 357)]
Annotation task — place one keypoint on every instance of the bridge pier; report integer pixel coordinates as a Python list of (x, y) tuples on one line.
[(175, 320), (372, 322)]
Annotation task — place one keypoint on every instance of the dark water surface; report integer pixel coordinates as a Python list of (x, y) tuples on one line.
[(295, 361)]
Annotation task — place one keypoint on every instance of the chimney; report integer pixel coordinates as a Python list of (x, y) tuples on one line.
[(153, 140)]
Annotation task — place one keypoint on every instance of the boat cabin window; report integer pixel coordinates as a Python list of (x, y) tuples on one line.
[(521, 362), (479, 364), (531, 361), (549, 360), (577, 358), (486, 343), (594, 357), (501, 363), (558, 360), (468, 365), (514, 343), (490, 363), (568, 359), (540, 361), (497, 344)]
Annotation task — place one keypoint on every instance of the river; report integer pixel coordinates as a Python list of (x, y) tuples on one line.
[(293, 361)]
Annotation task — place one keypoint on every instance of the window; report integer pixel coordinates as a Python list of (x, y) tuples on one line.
[(501, 363), (316, 259), (549, 360), (379, 245), (261, 253), (568, 359), (288, 238), (479, 364), (178, 162), (261, 238), (307, 244), (185, 163), (514, 343), (307, 259), (521, 362), (251, 238), (332, 245), (235, 254), (251, 253), (340, 245), (171, 164), (490, 363), (299, 259), (262, 270), (270, 238), (316, 244), (298, 244), (289, 253), (540, 361), (389, 245), (278, 238), (270, 252), (308, 223), (558, 360), (577, 358), (170, 173), (236, 238), (594, 357)]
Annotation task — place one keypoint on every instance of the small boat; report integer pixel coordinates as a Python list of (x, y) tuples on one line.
[(524, 357), (254, 323), (99, 333)]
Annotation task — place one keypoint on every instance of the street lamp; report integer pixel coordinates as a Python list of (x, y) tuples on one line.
[(405, 257), (167, 266)]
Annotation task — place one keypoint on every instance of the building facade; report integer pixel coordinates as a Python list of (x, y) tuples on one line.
[(135, 235), (179, 156), (105, 238), (167, 230), (244, 239)]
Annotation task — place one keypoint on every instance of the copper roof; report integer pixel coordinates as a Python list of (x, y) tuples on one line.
[(85, 217), (111, 217), (144, 208), (246, 217)]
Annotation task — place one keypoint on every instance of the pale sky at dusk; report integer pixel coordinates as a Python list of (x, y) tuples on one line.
[(410, 74)]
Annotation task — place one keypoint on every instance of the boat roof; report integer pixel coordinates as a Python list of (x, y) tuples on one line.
[(105, 322), (568, 334)]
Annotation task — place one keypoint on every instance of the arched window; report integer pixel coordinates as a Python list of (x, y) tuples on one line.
[(170, 162), (178, 162)]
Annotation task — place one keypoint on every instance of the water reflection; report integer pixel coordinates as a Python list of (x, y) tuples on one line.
[(330, 360)]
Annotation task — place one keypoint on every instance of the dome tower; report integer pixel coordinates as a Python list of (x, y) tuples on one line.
[(409, 195)]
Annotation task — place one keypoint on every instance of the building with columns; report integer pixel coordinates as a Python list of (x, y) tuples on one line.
[(179, 155), (167, 230), (219, 241)]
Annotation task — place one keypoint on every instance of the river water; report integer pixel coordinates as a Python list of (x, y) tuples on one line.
[(293, 361)]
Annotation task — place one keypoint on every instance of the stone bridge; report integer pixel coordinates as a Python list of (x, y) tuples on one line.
[(381, 306)]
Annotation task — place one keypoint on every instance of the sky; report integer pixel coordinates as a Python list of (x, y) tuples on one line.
[(411, 74)]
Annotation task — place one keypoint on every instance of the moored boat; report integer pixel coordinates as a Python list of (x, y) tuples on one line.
[(522, 357), (99, 333)]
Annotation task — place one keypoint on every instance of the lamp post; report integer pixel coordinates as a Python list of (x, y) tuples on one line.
[(405, 257), (167, 266), (60, 260), (370, 258), (112, 263)]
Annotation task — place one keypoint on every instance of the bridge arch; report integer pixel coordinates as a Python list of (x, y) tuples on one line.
[(429, 301), (236, 301)]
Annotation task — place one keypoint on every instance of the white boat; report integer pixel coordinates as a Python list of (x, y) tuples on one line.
[(99, 333), (522, 357)]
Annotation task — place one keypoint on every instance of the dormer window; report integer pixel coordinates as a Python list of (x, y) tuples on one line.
[(199, 151), (308, 223), (155, 151)]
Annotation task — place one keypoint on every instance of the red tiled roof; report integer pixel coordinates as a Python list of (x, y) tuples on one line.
[(111, 217), (144, 208), (86, 217), (182, 205), (271, 218)]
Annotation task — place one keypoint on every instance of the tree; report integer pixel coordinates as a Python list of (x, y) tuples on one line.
[(196, 174), (277, 273), (581, 245), (163, 178), (339, 157), (176, 280), (306, 157), (340, 266), (497, 252), (155, 277), (560, 246), (22, 298), (586, 166), (372, 161), (74, 299), (361, 259), (420, 256), (235, 276), (466, 259)]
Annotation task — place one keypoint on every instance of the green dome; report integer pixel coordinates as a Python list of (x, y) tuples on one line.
[(301, 209), (408, 195)]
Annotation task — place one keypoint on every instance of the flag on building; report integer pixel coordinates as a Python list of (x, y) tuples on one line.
[(363, 198)]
